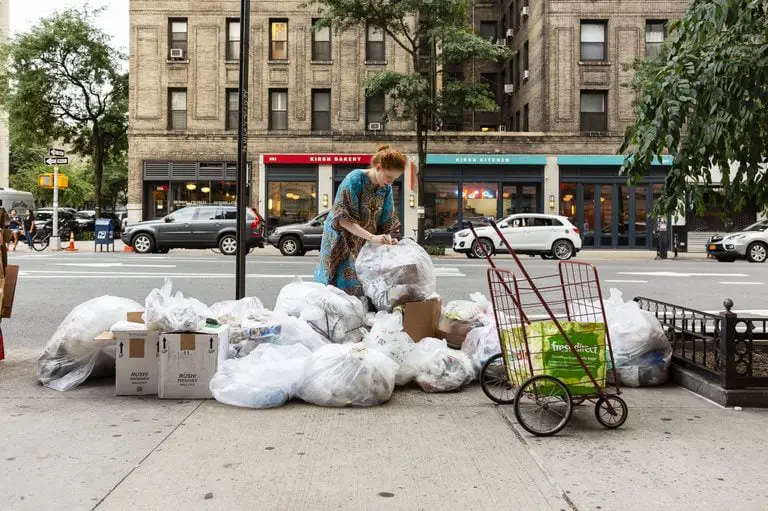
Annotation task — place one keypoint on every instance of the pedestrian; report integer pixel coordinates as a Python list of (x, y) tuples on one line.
[(15, 227), (364, 210), (29, 226), (661, 237)]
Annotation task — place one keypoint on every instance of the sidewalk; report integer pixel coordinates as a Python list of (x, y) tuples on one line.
[(86, 449)]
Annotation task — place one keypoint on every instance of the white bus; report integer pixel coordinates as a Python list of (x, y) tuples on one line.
[(18, 200)]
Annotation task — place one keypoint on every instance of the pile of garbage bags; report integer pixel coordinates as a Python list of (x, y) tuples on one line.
[(641, 351)]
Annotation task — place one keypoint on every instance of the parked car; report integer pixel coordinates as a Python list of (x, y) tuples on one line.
[(750, 244), (207, 226), (86, 220), (443, 236), (527, 233), (298, 239), (44, 216)]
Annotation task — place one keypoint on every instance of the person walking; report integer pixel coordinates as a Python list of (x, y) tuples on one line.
[(662, 239), (29, 227), (15, 227)]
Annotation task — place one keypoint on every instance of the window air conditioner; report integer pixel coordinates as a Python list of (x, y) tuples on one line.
[(509, 88), (524, 11), (526, 74), (177, 53), (374, 126), (510, 32), (502, 127)]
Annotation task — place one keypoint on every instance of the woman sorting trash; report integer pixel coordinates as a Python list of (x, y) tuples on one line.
[(364, 210)]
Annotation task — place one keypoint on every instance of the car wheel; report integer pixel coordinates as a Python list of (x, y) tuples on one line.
[(471, 255), (143, 244), (562, 250), (482, 247), (162, 250), (757, 252), (290, 246), (228, 244), (546, 256)]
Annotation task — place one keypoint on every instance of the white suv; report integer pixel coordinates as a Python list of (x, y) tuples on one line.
[(528, 233)]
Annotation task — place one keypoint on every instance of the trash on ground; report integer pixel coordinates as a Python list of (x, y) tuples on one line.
[(480, 345), (437, 368), (232, 313), (188, 361), (173, 313), (277, 328), (459, 317)]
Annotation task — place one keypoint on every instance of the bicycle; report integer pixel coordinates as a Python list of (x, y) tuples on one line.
[(42, 238)]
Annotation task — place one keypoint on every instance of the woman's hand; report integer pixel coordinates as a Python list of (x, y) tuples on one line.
[(383, 239)]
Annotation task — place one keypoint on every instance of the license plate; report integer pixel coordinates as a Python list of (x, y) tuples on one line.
[(713, 247)]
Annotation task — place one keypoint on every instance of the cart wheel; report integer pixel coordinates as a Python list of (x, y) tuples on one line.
[(605, 417), (543, 405), (495, 383)]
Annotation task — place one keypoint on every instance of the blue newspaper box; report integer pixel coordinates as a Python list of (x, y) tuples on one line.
[(104, 235)]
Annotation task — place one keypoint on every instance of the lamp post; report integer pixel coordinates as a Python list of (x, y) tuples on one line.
[(243, 174)]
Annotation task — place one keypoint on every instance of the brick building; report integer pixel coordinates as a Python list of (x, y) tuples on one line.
[(562, 112)]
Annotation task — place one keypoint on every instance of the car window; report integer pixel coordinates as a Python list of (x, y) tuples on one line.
[(517, 222), (207, 213), (183, 215), (758, 227), (543, 222), (227, 214)]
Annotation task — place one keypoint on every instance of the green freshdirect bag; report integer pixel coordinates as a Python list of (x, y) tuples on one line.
[(551, 355)]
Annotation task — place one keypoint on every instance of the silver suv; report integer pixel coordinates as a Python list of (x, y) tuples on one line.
[(207, 226)]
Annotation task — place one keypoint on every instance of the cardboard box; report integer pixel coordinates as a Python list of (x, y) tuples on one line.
[(9, 289), (137, 362), (188, 361), (420, 318), (135, 317)]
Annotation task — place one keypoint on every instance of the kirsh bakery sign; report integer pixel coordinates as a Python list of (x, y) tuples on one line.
[(317, 159)]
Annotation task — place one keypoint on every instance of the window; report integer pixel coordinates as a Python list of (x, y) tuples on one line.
[(655, 33), (184, 215), (525, 59), (177, 109), (441, 205), (374, 109), (542, 222), (233, 39), (290, 202), (492, 81), (593, 116), (177, 38), (488, 30), (321, 110), (374, 44), (278, 109), (518, 72), (525, 118), (593, 40), (321, 42), (514, 18), (278, 39), (233, 109), (207, 213)]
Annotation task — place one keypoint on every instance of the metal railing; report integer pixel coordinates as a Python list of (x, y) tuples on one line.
[(729, 348)]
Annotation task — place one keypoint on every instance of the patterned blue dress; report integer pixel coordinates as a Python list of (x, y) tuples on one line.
[(363, 202)]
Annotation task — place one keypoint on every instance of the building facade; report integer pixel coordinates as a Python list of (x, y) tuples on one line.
[(551, 146)]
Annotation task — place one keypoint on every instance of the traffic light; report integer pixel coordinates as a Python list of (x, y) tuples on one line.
[(46, 181)]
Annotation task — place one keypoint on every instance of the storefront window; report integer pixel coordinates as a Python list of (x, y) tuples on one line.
[(622, 208), (641, 216), (606, 216), (223, 193), (568, 202), (441, 204), (509, 201), (589, 216), (291, 203), (158, 200), (480, 199), (528, 199)]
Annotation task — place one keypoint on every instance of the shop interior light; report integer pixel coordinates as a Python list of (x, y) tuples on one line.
[(205, 189), (191, 186), (314, 195), (325, 200), (568, 198), (412, 201), (269, 204)]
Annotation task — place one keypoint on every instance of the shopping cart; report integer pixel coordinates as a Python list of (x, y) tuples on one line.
[(555, 347)]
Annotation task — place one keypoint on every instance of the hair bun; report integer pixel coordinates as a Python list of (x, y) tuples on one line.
[(384, 147)]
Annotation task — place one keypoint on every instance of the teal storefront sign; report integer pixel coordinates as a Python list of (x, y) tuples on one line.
[(604, 159), (486, 159)]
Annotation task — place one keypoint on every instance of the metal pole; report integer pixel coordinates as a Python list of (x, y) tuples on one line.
[(243, 188), (54, 245)]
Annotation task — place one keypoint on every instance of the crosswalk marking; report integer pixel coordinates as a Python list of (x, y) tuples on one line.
[(679, 274), (445, 271)]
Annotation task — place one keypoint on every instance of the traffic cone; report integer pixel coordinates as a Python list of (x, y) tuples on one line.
[(127, 248), (71, 242)]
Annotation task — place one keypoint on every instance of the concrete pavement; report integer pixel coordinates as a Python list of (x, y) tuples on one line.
[(87, 449)]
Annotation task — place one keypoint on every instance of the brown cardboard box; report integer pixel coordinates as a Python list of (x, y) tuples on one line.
[(420, 318), (137, 363), (9, 289), (135, 317), (188, 361), (454, 332)]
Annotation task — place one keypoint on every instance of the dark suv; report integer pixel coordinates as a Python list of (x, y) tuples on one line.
[(208, 226), (297, 239)]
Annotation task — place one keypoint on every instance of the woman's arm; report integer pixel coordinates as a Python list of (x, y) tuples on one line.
[(352, 227)]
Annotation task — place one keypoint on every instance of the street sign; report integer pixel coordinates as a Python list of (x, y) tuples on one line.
[(56, 152), (57, 161)]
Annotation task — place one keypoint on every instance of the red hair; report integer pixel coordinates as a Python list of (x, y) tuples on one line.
[(389, 159)]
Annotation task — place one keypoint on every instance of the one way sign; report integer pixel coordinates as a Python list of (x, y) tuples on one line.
[(56, 152), (57, 161)]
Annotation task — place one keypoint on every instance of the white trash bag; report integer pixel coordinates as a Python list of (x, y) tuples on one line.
[(73, 354), (437, 368), (393, 275), (294, 297), (337, 316), (459, 317), (275, 328), (480, 345), (348, 375), (233, 312), (388, 337), (634, 331), (268, 377), (173, 313)]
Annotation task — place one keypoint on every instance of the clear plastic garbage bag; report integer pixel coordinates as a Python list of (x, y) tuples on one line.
[(73, 354), (348, 375), (388, 337), (268, 377), (275, 328), (233, 312), (480, 345), (294, 297), (647, 370), (437, 368), (393, 275), (173, 313), (459, 317)]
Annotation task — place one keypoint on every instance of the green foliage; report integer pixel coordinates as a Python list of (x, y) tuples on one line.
[(80, 193), (704, 100), (63, 81)]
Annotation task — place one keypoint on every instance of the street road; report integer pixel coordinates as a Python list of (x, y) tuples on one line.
[(50, 285)]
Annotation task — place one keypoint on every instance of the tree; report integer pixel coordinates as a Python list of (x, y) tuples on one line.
[(704, 100), (442, 26), (80, 193), (63, 81)]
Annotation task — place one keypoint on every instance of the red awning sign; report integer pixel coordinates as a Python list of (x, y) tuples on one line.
[(317, 159)]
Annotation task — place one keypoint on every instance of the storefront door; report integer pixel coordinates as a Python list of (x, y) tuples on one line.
[(291, 195)]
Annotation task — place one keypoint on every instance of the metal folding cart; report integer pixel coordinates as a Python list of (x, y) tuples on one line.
[(555, 346)]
